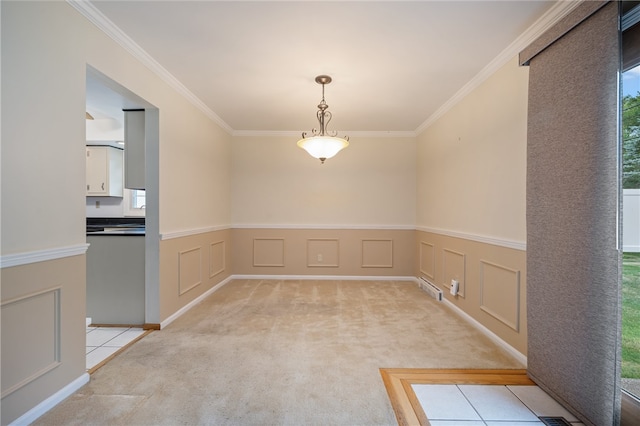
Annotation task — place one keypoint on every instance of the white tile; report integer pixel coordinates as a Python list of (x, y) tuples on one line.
[(444, 402), (102, 335), (458, 423), (514, 423), (89, 349), (125, 338), (495, 402), (99, 354), (540, 402)]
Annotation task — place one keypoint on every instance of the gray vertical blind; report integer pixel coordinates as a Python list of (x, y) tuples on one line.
[(573, 257), (631, 48)]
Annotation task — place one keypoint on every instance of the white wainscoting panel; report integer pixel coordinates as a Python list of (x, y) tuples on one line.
[(377, 253), (268, 252), (189, 269), (32, 344), (428, 260), (454, 268), (216, 258), (323, 252), (500, 293)]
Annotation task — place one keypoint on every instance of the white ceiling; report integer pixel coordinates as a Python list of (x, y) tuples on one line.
[(253, 64)]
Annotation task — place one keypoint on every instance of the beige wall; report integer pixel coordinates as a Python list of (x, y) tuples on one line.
[(327, 252), (194, 152), (356, 212), (471, 199), (46, 48), (463, 179), (492, 282), (191, 265), (43, 331), (372, 182), (195, 170), (472, 161), (43, 85)]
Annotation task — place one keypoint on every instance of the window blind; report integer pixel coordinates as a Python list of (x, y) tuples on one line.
[(573, 257)]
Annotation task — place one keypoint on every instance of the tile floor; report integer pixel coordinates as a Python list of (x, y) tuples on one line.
[(488, 405), (102, 342)]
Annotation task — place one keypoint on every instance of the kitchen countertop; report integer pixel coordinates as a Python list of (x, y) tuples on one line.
[(129, 226), (118, 231)]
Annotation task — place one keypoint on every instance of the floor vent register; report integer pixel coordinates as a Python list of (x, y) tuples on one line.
[(554, 421)]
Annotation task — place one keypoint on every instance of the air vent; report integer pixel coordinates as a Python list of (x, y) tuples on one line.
[(554, 421), (430, 288)]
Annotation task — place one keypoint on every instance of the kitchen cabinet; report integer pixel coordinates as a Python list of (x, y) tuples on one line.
[(134, 146), (104, 171), (115, 279)]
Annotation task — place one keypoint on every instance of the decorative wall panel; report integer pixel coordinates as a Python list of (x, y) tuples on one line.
[(32, 342), (268, 252), (377, 253), (189, 269), (344, 252), (323, 252), (454, 267), (427, 259), (500, 293), (216, 258)]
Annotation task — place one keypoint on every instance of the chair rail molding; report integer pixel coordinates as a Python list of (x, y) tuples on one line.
[(25, 258)]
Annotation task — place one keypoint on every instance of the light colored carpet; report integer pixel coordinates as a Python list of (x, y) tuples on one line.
[(260, 352)]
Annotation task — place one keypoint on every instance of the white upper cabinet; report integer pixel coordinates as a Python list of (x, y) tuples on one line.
[(134, 145), (104, 171)]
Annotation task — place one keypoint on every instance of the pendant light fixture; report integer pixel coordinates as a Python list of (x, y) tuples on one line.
[(322, 143)]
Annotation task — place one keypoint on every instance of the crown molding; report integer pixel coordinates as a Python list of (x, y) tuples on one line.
[(97, 18), (558, 11), (553, 15)]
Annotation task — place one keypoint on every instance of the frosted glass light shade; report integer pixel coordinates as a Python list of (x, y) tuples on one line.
[(323, 147)]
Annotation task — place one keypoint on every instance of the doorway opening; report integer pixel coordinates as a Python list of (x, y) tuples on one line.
[(122, 225)]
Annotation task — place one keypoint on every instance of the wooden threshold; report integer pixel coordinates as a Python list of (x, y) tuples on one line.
[(113, 355), (145, 326), (404, 402)]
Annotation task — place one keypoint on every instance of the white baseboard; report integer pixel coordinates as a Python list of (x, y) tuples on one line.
[(510, 349), (55, 399), (490, 334), (322, 277), (194, 302)]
